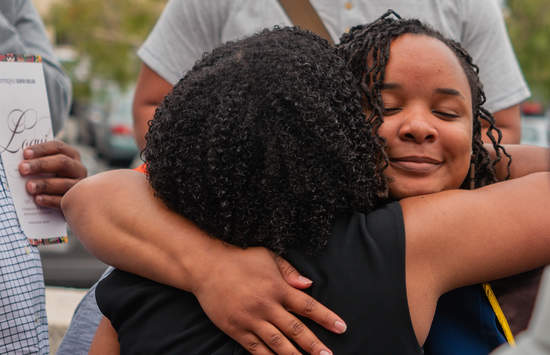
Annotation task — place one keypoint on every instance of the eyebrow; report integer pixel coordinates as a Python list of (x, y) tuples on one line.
[(390, 86), (449, 91), (444, 91)]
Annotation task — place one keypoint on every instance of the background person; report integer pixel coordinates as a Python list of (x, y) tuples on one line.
[(189, 28), (22, 32), (23, 322)]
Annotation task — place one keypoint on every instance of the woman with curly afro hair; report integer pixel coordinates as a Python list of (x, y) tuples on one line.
[(255, 127), (264, 143)]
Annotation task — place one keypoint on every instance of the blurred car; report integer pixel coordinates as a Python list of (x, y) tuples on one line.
[(87, 119), (532, 108), (106, 124), (535, 129), (113, 128), (70, 264)]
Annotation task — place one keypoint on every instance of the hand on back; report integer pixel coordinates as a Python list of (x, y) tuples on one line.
[(249, 295)]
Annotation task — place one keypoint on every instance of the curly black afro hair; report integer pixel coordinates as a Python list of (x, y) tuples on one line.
[(367, 51), (264, 143)]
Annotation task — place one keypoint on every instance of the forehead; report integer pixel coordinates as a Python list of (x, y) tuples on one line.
[(423, 59)]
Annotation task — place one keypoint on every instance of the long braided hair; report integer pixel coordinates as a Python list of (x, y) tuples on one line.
[(366, 49)]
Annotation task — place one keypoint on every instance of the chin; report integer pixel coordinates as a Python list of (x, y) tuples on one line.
[(398, 193)]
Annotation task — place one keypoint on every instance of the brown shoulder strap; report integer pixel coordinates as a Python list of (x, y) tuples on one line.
[(302, 14)]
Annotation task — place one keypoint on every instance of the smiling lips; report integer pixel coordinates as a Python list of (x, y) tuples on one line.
[(415, 164)]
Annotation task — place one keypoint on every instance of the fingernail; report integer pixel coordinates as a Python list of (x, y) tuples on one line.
[(304, 280), (340, 326), (28, 153), (25, 168), (32, 187), (325, 352), (39, 199)]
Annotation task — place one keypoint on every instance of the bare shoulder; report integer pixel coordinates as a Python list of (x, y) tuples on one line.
[(462, 224), (457, 238), (104, 188), (113, 178)]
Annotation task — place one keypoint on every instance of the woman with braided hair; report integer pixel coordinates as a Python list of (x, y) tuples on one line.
[(269, 132), (371, 44), (462, 311)]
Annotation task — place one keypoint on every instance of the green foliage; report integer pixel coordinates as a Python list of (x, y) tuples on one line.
[(529, 27), (106, 34)]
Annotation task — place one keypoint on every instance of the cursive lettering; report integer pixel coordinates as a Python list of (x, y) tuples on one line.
[(20, 121)]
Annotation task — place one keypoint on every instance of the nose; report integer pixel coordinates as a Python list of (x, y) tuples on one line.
[(417, 128)]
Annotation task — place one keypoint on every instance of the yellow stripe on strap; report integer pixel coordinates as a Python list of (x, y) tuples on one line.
[(500, 315)]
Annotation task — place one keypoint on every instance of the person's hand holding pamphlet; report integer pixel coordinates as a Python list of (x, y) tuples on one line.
[(25, 121)]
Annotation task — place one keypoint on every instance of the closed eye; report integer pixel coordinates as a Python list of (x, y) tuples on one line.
[(388, 111), (445, 115)]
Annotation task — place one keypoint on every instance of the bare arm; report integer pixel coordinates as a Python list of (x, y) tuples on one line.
[(128, 221), (159, 244), (150, 91), (509, 122), (451, 244), (526, 159), (105, 341)]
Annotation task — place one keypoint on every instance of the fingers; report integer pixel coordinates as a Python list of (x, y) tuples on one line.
[(299, 303), (278, 342), (49, 191), (256, 313), (49, 186), (50, 148), (291, 275), (280, 327), (55, 158), (59, 164), (275, 335), (294, 329), (48, 201), (304, 305), (253, 344)]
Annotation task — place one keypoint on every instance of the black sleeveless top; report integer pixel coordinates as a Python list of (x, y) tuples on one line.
[(360, 275)]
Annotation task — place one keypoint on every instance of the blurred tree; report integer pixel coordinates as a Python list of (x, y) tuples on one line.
[(105, 35), (529, 27)]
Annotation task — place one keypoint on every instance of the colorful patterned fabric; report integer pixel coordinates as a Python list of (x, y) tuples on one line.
[(48, 241), (10, 57)]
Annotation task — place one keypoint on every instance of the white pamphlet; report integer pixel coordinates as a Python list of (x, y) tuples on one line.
[(24, 121)]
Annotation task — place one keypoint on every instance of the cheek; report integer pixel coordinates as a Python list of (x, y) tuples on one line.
[(388, 131), (460, 149), (463, 145), (458, 138)]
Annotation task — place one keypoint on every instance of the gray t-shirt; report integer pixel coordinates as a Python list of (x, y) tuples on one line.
[(188, 28), (22, 32), (86, 318)]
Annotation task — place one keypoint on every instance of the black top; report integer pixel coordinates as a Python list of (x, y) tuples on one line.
[(360, 275)]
